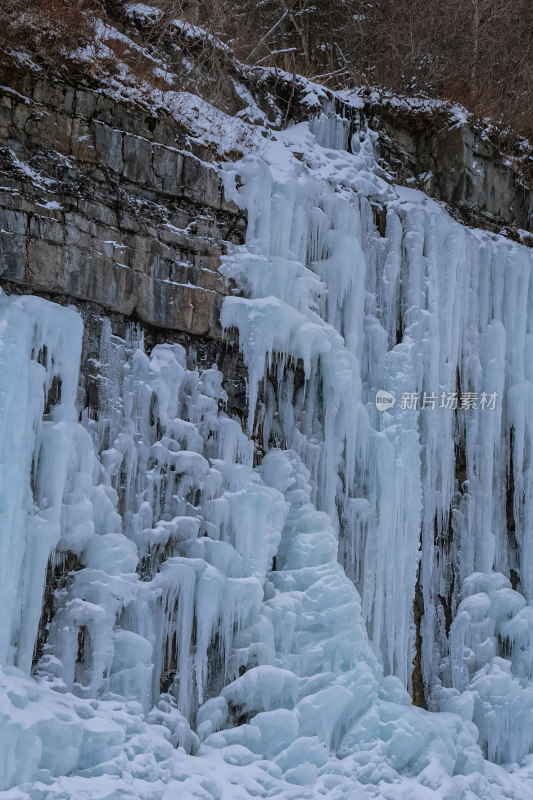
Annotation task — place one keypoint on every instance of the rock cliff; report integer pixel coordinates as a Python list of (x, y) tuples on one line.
[(110, 201)]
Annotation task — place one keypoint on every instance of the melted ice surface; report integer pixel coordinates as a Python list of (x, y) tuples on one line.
[(228, 631)]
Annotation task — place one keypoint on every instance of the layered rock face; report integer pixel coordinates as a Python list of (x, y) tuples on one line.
[(455, 162), (103, 203)]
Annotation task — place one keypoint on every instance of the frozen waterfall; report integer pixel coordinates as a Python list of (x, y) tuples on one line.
[(197, 608)]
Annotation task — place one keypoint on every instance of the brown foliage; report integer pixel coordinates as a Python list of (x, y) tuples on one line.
[(46, 27), (476, 52)]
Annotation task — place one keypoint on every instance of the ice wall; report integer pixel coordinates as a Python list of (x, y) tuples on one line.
[(197, 632), (180, 622), (45, 456), (364, 287)]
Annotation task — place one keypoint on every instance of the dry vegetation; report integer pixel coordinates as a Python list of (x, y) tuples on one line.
[(45, 28), (476, 52)]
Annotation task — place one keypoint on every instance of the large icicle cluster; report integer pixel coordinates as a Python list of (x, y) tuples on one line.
[(305, 271), (44, 455), (183, 614), (192, 592), (372, 287)]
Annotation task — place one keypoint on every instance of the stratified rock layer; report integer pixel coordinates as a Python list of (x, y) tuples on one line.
[(103, 203)]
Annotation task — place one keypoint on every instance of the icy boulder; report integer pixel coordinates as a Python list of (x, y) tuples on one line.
[(261, 689), (278, 728), (132, 667), (491, 621), (112, 552), (38, 729)]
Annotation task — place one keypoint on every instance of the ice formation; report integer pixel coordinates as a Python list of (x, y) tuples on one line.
[(195, 610)]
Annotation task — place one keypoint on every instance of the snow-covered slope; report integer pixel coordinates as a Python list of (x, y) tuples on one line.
[(203, 640)]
